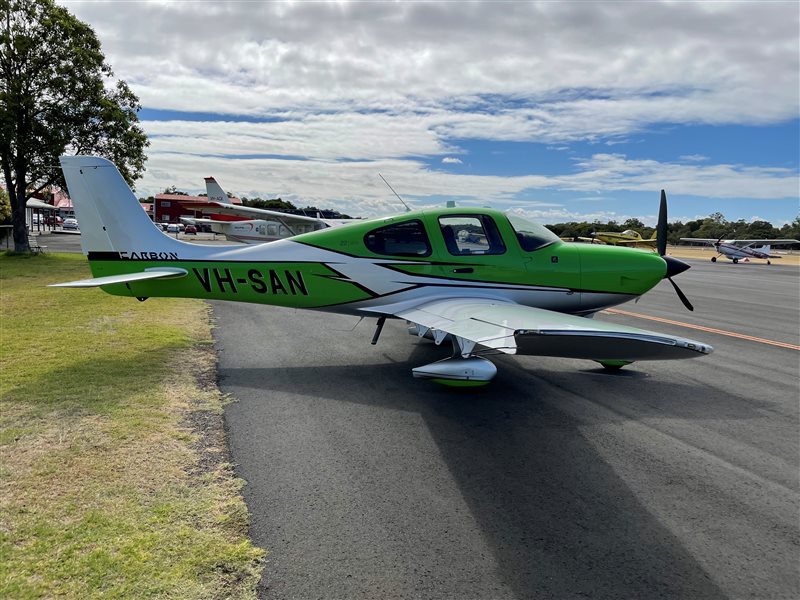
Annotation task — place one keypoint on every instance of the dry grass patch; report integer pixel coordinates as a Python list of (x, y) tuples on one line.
[(108, 487)]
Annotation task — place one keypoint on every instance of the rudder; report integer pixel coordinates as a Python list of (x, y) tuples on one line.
[(109, 215), (215, 192)]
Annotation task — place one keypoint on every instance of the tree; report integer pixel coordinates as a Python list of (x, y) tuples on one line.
[(713, 226), (172, 190), (5, 207), (633, 223), (762, 230), (57, 96), (274, 204), (791, 230)]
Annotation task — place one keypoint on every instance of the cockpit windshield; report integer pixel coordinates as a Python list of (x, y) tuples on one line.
[(531, 236)]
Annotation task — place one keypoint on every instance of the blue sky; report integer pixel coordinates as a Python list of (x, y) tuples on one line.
[(560, 111)]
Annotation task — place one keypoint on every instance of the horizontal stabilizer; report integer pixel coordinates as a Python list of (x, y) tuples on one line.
[(155, 273)]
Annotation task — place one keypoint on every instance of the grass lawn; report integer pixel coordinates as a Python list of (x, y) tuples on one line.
[(108, 488)]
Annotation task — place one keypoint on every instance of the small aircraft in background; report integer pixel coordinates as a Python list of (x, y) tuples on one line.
[(743, 249), (629, 238), (251, 225), (510, 286)]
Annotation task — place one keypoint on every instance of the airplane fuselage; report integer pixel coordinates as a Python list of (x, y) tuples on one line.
[(631, 239), (349, 269), (731, 251)]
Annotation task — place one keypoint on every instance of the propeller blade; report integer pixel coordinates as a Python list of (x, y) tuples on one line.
[(681, 295), (661, 228)]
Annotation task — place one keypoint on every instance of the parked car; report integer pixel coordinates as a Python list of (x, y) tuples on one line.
[(70, 223), (190, 229), (173, 228)]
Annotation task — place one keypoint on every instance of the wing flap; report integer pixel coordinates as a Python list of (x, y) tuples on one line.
[(154, 273), (517, 329), (462, 319)]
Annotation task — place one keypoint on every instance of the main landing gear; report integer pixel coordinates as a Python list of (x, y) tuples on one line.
[(713, 259), (461, 369)]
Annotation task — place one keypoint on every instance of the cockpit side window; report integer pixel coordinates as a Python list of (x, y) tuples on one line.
[(471, 234), (531, 236), (407, 238)]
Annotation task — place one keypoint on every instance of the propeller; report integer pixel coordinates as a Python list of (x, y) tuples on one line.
[(661, 227), (674, 266)]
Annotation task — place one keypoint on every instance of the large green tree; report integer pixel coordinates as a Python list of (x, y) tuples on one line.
[(58, 96)]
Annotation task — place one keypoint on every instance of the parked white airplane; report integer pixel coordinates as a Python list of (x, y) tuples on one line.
[(238, 223), (737, 249)]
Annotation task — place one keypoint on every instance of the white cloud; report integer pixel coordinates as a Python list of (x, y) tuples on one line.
[(350, 89), (562, 215), (605, 172), (625, 64), (354, 186)]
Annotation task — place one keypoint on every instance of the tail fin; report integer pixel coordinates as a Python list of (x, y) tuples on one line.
[(215, 191), (110, 217)]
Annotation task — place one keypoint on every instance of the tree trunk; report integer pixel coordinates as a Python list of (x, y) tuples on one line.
[(18, 209)]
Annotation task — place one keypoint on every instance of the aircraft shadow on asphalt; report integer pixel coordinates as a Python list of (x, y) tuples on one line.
[(390, 384), (559, 519)]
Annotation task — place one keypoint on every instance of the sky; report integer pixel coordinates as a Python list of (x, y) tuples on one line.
[(559, 111)]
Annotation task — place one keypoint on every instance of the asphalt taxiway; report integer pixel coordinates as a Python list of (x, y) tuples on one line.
[(669, 479)]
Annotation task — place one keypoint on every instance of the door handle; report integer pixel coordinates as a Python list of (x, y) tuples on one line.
[(463, 270)]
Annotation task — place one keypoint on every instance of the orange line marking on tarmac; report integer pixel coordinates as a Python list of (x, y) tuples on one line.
[(741, 336)]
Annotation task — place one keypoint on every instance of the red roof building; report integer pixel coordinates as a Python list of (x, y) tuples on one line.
[(169, 208)]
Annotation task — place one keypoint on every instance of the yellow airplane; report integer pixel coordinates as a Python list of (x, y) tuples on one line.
[(629, 238)]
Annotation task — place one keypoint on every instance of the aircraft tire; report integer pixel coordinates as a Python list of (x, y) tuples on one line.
[(736, 261), (769, 263), (713, 259), (613, 365)]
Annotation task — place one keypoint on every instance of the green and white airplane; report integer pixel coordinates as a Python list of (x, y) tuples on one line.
[(509, 287)]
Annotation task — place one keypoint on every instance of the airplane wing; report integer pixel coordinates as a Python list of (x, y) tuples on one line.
[(642, 242), (748, 242), (706, 240), (154, 273), (770, 242), (516, 329), (250, 212)]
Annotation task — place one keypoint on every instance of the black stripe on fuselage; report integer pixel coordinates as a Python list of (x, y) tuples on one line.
[(457, 282)]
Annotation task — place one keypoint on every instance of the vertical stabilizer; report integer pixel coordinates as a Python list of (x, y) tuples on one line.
[(109, 215), (215, 191)]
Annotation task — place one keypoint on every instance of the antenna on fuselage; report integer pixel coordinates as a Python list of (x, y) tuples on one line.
[(395, 193)]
